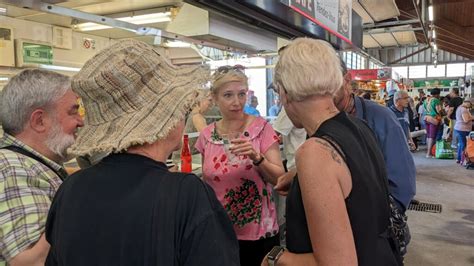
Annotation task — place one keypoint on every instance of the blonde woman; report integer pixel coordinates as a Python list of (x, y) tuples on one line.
[(337, 206), (243, 186)]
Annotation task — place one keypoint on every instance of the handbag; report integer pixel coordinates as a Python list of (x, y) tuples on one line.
[(399, 227), (443, 150)]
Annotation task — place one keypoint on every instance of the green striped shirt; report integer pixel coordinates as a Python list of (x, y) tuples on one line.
[(27, 188)]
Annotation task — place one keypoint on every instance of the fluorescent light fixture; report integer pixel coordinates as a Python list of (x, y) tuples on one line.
[(177, 44), (3, 79), (434, 34), (435, 47), (3, 10), (60, 68), (430, 13), (89, 26), (139, 20)]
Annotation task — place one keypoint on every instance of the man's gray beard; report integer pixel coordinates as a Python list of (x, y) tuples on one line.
[(58, 142)]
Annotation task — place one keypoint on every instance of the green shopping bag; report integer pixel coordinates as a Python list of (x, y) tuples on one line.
[(443, 150)]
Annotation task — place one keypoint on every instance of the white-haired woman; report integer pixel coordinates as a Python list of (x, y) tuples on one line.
[(243, 184), (337, 207)]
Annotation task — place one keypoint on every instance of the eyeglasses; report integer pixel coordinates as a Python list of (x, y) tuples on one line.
[(276, 89)]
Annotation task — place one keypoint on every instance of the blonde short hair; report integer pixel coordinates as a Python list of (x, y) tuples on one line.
[(227, 74), (308, 67)]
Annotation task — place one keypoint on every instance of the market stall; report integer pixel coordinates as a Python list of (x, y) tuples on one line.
[(375, 82)]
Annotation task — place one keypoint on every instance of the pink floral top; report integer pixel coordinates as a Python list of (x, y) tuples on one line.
[(246, 197)]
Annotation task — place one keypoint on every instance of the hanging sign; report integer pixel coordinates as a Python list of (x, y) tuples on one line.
[(34, 53), (436, 83), (371, 74), (333, 15)]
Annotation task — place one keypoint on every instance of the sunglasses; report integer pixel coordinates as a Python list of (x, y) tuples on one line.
[(225, 69)]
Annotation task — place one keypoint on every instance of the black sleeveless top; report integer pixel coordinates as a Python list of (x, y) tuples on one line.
[(367, 204)]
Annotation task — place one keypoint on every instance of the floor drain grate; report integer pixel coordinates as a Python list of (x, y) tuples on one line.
[(425, 207)]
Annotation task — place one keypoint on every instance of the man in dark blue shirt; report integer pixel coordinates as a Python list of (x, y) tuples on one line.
[(391, 139)]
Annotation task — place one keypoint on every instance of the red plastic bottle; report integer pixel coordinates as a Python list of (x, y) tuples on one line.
[(186, 159)]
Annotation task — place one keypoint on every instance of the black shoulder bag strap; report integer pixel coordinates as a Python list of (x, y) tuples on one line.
[(61, 174)]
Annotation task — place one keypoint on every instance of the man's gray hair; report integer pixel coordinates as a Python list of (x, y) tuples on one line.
[(398, 95), (27, 91)]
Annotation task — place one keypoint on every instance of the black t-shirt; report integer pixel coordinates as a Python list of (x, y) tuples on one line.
[(130, 210), (455, 102)]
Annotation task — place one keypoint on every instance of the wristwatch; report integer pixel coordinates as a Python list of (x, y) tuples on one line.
[(257, 163), (274, 255)]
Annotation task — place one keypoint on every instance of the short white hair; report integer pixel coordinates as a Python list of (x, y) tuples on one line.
[(27, 91), (398, 95), (308, 67)]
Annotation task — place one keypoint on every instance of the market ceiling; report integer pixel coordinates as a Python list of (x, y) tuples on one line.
[(453, 23)]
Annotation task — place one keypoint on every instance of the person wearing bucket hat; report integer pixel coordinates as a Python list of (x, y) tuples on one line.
[(128, 209)]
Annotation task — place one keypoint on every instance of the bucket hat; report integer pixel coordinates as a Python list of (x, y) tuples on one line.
[(132, 95)]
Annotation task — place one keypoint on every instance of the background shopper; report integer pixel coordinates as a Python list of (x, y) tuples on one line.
[(433, 109), (463, 126)]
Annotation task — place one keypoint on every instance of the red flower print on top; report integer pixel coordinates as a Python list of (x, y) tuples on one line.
[(243, 203), (214, 159), (248, 167), (223, 158), (217, 179), (217, 165)]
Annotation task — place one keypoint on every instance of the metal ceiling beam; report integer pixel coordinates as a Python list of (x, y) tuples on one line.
[(393, 36), (409, 55), (103, 20), (390, 30), (394, 47), (421, 21), (68, 12), (380, 46), (390, 23)]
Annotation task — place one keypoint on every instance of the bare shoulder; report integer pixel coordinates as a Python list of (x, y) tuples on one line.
[(320, 151), (320, 167)]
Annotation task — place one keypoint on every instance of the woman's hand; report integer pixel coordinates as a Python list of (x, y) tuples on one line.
[(241, 147), (284, 182), (174, 169)]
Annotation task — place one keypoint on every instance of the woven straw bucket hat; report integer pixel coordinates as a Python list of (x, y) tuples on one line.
[(132, 95)]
